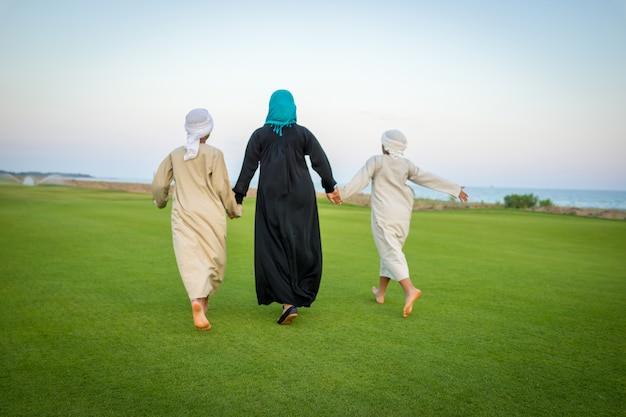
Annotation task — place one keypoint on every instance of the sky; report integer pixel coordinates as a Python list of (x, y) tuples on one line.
[(501, 93)]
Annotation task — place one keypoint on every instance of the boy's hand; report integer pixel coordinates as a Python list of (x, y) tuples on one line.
[(238, 212), (463, 195)]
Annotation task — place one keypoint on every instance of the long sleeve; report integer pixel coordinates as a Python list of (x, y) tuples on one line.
[(320, 163), (248, 168), (360, 180), (434, 182), (161, 182), (221, 184)]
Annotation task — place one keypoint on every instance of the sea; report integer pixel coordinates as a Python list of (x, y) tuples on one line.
[(598, 199)]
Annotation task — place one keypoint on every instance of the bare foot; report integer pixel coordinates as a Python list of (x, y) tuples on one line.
[(408, 306), (380, 298), (199, 317)]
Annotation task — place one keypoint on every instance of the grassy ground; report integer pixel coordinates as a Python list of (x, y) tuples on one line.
[(522, 314)]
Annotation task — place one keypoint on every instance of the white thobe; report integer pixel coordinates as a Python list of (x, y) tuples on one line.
[(392, 204)]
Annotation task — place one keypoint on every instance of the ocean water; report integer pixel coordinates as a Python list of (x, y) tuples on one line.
[(601, 199)]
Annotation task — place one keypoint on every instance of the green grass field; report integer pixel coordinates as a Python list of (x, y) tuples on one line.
[(522, 314)]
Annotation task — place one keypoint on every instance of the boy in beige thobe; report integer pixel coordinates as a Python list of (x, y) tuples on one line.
[(202, 194)]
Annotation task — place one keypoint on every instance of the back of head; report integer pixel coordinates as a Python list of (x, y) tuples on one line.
[(198, 124), (199, 119), (394, 142), (282, 111)]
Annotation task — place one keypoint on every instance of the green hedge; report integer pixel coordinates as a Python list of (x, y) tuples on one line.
[(525, 201)]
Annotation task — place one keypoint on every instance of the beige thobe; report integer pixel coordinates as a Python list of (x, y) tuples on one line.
[(392, 204), (201, 194)]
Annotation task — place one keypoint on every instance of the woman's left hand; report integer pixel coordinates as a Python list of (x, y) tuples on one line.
[(334, 197)]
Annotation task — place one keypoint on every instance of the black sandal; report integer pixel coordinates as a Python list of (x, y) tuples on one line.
[(288, 316)]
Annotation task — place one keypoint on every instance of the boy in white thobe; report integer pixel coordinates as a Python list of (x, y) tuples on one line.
[(392, 205)]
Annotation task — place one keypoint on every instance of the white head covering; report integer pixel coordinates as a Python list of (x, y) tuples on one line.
[(394, 142), (198, 124)]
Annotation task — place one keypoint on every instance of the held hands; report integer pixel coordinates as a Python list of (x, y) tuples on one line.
[(238, 212), (463, 195), (334, 197)]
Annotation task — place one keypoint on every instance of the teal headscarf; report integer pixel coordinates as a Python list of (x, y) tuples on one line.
[(282, 111)]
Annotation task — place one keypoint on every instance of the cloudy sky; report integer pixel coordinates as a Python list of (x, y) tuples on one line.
[(488, 92)]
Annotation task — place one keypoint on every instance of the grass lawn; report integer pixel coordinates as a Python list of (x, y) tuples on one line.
[(522, 314)]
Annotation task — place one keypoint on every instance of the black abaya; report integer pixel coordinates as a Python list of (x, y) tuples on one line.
[(287, 246)]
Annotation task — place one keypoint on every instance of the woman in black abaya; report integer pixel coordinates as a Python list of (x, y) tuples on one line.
[(287, 246)]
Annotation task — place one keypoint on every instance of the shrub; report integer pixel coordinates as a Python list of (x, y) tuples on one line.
[(520, 201), (545, 203)]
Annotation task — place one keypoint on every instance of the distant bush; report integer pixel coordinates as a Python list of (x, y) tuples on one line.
[(520, 201), (545, 203)]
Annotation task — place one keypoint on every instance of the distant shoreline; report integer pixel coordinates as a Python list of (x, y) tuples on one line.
[(39, 174), (359, 199)]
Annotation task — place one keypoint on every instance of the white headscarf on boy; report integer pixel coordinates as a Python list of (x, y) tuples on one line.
[(394, 142), (198, 124)]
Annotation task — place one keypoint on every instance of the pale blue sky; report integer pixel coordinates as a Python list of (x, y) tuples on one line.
[(488, 92)]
